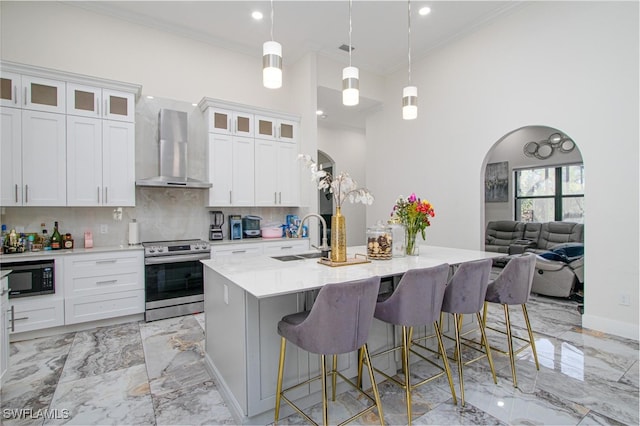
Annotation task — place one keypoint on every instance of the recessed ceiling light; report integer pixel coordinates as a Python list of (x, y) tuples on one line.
[(423, 11), (149, 97), (257, 15), (319, 112)]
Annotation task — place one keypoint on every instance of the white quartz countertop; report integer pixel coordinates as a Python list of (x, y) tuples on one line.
[(263, 276), (62, 252)]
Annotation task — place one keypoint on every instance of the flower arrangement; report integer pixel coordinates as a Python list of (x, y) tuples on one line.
[(343, 187), (415, 214)]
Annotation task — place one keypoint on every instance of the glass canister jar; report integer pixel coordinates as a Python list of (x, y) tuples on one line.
[(379, 242), (399, 238)]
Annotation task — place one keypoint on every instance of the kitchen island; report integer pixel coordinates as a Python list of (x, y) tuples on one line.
[(245, 299)]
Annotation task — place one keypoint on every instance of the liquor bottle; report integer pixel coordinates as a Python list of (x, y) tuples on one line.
[(56, 238), (5, 234)]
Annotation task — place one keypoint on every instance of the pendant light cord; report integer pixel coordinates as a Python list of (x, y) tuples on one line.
[(350, 28), (409, 38), (271, 20)]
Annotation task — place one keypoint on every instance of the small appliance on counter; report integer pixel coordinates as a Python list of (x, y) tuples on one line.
[(215, 229), (251, 226), (235, 227)]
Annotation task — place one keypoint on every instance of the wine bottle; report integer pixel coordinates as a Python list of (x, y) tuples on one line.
[(56, 238)]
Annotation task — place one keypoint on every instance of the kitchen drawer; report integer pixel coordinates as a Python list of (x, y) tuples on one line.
[(35, 313), (237, 250), (93, 265), (285, 247), (104, 283), (102, 306)]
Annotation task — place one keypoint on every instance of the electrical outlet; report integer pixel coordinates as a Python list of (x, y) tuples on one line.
[(625, 300), (104, 228)]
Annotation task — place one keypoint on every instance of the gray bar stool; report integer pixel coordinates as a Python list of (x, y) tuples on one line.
[(512, 287), (416, 301), (465, 294), (338, 322)]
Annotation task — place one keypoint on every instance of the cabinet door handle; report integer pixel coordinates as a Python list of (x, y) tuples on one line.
[(26, 194), (24, 101), (12, 327), (230, 202), (16, 193), (229, 125), (286, 247), (107, 282), (98, 194), (280, 197), (275, 198), (106, 195), (238, 251), (106, 110), (15, 94), (97, 107), (100, 262)]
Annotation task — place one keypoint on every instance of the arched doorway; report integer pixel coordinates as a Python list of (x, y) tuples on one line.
[(535, 174)]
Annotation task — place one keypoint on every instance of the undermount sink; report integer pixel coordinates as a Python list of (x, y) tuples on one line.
[(302, 256)]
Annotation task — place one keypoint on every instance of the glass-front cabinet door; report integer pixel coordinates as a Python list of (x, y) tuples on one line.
[(10, 85), (118, 106), (265, 128), (219, 121), (243, 124), (287, 130), (83, 100), (42, 94)]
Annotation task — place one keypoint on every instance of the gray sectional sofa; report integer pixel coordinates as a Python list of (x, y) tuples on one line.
[(555, 275)]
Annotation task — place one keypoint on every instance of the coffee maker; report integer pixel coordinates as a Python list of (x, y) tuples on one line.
[(215, 229), (235, 227)]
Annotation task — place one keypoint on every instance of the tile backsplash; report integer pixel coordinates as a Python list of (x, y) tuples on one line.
[(162, 213)]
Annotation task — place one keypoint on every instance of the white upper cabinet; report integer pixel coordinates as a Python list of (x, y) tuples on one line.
[(10, 89), (229, 122), (276, 129), (43, 94), (11, 157), (89, 101), (43, 159), (118, 163)]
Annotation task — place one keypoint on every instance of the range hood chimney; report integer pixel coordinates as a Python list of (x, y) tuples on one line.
[(172, 132)]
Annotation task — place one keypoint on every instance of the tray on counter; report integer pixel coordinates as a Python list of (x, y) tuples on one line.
[(356, 260)]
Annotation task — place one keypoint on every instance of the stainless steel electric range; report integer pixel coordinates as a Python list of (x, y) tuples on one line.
[(174, 281)]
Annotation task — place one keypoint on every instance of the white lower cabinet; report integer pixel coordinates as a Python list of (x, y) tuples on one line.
[(35, 313), (4, 332), (273, 247), (105, 285)]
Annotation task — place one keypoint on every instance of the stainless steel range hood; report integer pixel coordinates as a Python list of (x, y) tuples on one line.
[(172, 132)]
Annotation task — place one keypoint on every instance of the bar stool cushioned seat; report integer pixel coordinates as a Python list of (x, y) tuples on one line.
[(512, 287), (416, 301), (338, 322), (465, 294)]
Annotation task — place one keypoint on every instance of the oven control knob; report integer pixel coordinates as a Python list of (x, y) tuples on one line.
[(151, 250)]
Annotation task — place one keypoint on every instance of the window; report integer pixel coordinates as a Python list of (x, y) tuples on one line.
[(550, 194)]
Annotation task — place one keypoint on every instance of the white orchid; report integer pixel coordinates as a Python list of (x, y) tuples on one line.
[(342, 187)]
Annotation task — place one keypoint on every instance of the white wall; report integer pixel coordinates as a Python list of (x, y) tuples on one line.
[(347, 147), (567, 65)]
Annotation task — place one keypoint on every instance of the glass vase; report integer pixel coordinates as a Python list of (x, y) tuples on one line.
[(412, 248), (338, 237)]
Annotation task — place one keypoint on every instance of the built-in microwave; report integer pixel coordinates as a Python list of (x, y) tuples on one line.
[(31, 278)]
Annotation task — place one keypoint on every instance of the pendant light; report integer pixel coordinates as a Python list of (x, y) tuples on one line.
[(350, 76), (272, 61), (409, 93)]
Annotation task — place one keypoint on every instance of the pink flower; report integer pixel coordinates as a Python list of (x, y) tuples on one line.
[(412, 198)]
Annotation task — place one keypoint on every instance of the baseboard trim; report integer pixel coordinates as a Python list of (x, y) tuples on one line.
[(606, 325)]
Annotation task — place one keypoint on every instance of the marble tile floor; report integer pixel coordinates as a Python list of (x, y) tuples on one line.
[(154, 374)]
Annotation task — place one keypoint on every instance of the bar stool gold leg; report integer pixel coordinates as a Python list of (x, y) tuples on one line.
[(459, 357), (531, 339), (406, 342), (487, 347), (325, 403), (374, 386), (283, 347), (443, 353), (333, 377), (510, 342)]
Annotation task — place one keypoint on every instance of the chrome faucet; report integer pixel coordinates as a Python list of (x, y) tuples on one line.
[(324, 246)]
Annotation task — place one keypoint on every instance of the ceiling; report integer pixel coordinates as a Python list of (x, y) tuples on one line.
[(379, 30)]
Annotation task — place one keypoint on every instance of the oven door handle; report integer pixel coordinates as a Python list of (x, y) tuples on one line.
[(176, 259)]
